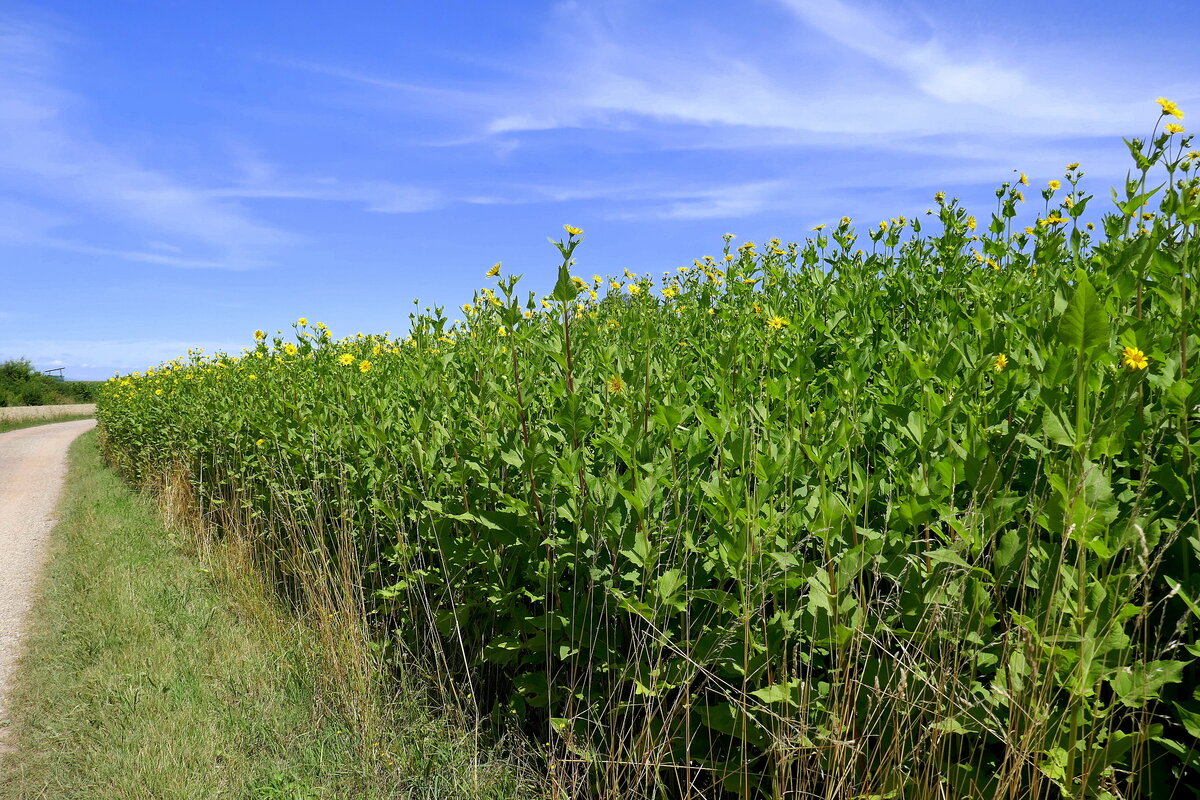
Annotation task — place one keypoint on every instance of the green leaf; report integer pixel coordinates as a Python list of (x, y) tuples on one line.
[(1189, 719), (1136, 684), (669, 584), (1057, 430), (1132, 205), (1084, 325), (1007, 549), (565, 289), (945, 555), (780, 693)]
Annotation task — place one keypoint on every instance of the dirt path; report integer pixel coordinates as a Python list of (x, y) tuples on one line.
[(33, 462)]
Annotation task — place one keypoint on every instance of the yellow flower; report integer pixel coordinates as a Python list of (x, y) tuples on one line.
[(1170, 108), (1055, 185), (502, 331), (820, 227), (616, 385), (578, 281), (252, 377), (302, 321), (1023, 180), (1021, 197), (634, 289), (844, 220), (572, 230), (756, 308), (670, 292), (494, 271), (1072, 165), (776, 323), (290, 349), (1000, 362), (1135, 359), (971, 223), (260, 335), (345, 359), (1173, 127), (364, 366), (260, 442)]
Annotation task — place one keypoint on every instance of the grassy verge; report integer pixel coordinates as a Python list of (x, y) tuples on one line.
[(16, 424), (153, 672)]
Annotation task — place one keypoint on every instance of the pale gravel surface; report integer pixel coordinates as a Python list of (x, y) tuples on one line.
[(33, 463), (9, 413)]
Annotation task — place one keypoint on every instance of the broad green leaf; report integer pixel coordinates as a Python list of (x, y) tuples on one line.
[(788, 693), (1137, 684), (1084, 325)]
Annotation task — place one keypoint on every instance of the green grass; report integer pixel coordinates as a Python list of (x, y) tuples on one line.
[(153, 672), (17, 424)]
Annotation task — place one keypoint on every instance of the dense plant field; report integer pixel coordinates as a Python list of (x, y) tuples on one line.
[(908, 511)]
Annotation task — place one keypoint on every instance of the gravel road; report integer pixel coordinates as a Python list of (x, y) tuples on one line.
[(33, 462)]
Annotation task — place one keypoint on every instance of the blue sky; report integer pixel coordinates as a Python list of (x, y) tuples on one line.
[(176, 175)]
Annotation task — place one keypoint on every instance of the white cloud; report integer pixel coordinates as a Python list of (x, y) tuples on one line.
[(942, 74), (836, 71), (720, 202), (650, 198), (46, 152), (147, 257), (378, 196)]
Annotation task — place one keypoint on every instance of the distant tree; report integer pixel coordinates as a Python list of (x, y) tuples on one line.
[(22, 385)]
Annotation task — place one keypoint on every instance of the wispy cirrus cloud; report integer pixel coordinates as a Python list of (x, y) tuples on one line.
[(650, 199), (834, 68), (376, 196), (48, 156), (836, 76)]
